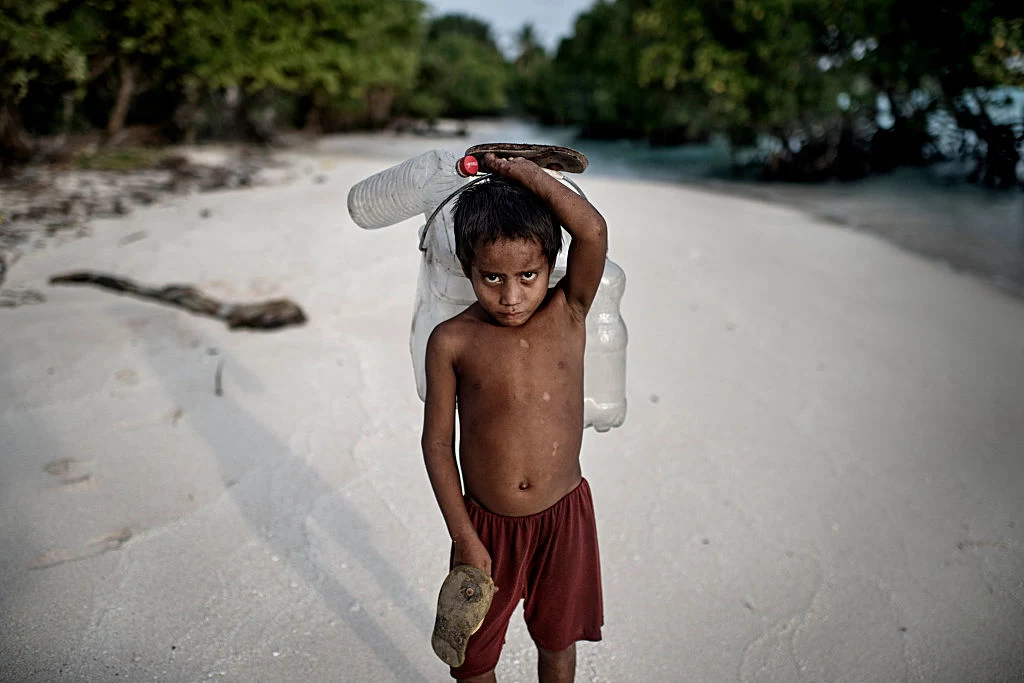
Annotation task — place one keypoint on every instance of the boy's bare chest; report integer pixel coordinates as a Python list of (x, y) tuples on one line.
[(543, 359)]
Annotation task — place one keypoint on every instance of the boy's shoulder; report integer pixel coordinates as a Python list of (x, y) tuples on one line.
[(457, 327)]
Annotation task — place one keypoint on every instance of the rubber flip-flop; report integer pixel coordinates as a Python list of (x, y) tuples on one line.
[(461, 607), (547, 156)]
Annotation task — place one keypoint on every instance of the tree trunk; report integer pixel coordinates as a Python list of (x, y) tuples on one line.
[(186, 114), (69, 113), (378, 105), (129, 72), (1001, 157), (245, 127), (15, 147), (315, 117), (851, 163), (241, 114), (998, 168), (313, 125)]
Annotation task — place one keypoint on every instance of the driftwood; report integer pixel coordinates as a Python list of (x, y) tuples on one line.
[(264, 315)]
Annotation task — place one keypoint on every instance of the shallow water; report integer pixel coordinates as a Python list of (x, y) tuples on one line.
[(970, 228), (930, 211)]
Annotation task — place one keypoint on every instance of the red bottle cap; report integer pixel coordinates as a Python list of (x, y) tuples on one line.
[(467, 166)]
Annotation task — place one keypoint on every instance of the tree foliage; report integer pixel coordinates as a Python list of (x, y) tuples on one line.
[(532, 88), (125, 41), (462, 73), (754, 64), (31, 47), (345, 55), (338, 47), (1001, 60), (815, 78), (33, 51)]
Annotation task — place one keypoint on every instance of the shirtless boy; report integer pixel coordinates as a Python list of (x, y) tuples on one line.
[(513, 364)]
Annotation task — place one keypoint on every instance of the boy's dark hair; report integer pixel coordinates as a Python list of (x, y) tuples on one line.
[(499, 208)]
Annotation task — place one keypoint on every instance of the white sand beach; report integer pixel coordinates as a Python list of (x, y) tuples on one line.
[(820, 477)]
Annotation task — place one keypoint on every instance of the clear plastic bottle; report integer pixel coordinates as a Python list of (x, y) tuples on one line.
[(604, 379), (420, 185)]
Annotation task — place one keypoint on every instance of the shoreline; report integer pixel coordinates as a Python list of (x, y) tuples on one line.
[(855, 205), (966, 264)]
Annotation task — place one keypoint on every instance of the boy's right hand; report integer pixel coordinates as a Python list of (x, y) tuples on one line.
[(473, 552), (516, 168)]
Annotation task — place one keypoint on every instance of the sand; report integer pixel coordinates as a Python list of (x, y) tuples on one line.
[(820, 476)]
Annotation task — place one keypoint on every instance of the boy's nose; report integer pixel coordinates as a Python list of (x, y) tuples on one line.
[(510, 295)]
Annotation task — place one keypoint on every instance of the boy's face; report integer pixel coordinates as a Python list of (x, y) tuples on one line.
[(510, 278)]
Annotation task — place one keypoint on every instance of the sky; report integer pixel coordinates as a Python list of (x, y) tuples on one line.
[(552, 19)]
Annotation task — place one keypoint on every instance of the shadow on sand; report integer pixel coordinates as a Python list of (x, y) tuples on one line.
[(233, 435)]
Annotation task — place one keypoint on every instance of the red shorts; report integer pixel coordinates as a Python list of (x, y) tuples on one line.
[(550, 560)]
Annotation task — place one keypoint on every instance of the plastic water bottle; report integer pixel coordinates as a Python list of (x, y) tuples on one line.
[(420, 185), (604, 379), (415, 186)]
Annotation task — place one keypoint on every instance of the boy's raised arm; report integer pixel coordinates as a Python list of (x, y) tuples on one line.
[(585, 262), (438, 442)]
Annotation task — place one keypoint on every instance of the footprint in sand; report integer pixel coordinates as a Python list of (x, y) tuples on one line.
[(97, 546), (127, 376), (70, 472), (126, 383)]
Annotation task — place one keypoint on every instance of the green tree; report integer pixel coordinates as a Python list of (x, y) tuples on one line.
[(1002, 60), (30, 47), (972, 72), (340, 53), (957, 64), (596, 73), (463, 25), (127, 44), (347, 59), (462, 73), (811, 74), (531, 86), (597, 78), (758, 65)]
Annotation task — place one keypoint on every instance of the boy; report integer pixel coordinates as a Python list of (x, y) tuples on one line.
[(513, 364)]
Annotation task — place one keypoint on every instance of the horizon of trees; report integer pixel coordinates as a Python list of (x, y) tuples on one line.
[(806, 82)]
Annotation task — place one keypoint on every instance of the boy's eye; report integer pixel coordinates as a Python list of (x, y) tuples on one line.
[(491, 278), (530, 275)]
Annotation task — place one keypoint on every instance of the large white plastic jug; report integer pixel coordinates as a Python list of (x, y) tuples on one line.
[(421, 185)]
